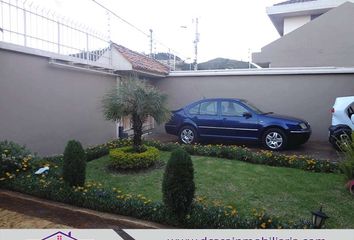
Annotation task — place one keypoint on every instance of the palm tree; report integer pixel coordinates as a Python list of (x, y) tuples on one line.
[(136, 99)]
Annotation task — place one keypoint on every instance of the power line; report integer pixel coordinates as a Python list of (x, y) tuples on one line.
[(135, 27), (122, 19)]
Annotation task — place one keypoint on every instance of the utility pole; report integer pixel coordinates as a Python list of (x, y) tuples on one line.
[(151, 43), (196, 41)]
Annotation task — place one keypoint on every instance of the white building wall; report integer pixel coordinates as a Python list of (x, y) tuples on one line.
[(292, 23)]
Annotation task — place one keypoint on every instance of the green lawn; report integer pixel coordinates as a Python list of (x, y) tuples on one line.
[(288, 193)]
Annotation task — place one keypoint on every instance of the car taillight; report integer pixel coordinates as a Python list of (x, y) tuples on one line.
[(332, 110)]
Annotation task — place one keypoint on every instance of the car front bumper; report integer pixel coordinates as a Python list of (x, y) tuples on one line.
[(299, 136)]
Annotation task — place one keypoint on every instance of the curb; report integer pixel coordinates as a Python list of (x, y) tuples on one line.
[(68, 214)]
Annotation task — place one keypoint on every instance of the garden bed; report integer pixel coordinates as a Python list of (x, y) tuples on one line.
[(284, 192), (235, 187)]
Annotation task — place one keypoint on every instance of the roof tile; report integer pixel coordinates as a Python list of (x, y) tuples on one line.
[(142, 62)]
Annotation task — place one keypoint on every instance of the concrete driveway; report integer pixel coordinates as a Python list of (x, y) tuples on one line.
[(317, 150)]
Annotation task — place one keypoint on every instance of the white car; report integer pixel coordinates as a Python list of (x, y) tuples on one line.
[(342, 121)]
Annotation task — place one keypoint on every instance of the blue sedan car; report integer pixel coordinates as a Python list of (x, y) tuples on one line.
[(237, 120)]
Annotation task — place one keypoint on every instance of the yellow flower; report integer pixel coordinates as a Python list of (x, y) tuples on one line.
[(263, 225)]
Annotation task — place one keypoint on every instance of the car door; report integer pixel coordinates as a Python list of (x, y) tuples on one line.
[(206, 116), (238, 121)]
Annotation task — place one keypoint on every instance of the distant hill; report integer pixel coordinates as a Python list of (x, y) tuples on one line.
[(217, 63), (223, 63), (165, 56)]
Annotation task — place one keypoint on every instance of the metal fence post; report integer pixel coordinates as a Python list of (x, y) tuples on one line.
[(58, 36), (24, 25), (87, 48)]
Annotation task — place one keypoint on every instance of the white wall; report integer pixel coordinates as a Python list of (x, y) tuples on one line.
[(292, 23)]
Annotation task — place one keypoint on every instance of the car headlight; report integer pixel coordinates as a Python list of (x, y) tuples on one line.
[(303, 126)]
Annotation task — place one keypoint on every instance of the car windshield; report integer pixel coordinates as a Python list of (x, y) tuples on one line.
[(252, 107)]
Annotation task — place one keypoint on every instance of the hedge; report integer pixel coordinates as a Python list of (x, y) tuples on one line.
[(124, 158), (231, 152), (244, 154)]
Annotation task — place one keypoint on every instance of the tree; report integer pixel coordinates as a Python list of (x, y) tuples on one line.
[(137, 99), (178, 186), (74, 165)]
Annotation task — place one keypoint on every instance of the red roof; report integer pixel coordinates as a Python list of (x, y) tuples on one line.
[(142, 62), (292, 2)]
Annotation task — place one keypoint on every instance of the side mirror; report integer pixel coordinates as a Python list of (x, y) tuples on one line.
[(247, 115)]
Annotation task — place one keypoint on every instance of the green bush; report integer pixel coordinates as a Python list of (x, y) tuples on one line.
[(178, 186), (96, 152), (74, 165), (124, 158), (347, 166), (14, 158)]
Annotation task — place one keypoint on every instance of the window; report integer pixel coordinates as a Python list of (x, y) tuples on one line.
[(229, 108), (194, 110), (350, 110), (209, 108)]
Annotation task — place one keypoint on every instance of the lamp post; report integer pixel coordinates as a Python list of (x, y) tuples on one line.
[(318, 218)]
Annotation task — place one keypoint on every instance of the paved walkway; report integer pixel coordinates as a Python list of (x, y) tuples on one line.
[(11, 219), (317, 150), (41, 213)]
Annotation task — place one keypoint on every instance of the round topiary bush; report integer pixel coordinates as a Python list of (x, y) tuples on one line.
[(125, 158), (74, 165), (178, 186)]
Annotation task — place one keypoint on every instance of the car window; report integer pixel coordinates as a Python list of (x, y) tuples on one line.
[(208, 108), (194, 110), (230, 108), (252, 107), (350, 110)]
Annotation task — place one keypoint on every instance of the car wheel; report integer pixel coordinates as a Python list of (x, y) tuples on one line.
[(188, 135), (274, 139), (340, 139)]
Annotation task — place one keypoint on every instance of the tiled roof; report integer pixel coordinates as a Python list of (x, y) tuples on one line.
[(292, 2), (142, 62)]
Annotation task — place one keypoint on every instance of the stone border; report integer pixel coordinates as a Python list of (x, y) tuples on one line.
[(70, 215)]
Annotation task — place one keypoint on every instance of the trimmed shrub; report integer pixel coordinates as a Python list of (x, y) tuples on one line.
[(74, 165), (96, 152), (178, 184), (125, 158)]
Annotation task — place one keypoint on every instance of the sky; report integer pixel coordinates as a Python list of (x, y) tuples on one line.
[(228, 28)]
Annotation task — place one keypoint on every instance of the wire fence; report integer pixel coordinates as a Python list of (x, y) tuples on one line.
[(24, 23)]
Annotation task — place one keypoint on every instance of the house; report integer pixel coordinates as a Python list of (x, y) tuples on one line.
[(60, 236), (314, 33)]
